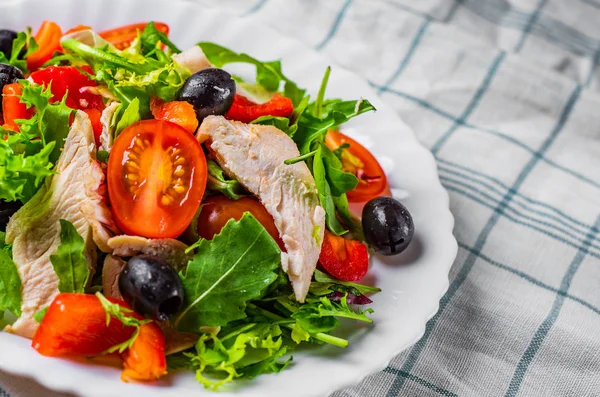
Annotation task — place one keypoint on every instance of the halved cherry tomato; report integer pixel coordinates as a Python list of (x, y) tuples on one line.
[(218, 210), (156, 179), (75, 325), (246, 111), (344, 259), (48, 40), (95, 115), (68, 79), (357, 160), (12, 108), (179, 112), (145, 360), (123, 36)]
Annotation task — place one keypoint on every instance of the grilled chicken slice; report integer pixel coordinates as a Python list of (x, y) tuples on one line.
[(106, 137), (193, 59), (76, 194), (254, 155)]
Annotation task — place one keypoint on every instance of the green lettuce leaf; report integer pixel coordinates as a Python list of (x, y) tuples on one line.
[(130, 116), (236, 266), (69, 262), (243, 352), (10, 285), (218, 182), (325, 194)]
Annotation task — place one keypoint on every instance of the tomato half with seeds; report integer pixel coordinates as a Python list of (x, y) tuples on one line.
[(156, 179), (357, 160)]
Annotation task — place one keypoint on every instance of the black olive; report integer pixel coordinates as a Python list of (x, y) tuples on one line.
[(151, 287), (388, 226), (6, 211), (210, 91), (6, 41), (8, 75)]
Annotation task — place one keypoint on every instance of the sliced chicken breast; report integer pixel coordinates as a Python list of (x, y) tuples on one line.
[(106, 137), (193, 59), (76, 194), (254, 155)]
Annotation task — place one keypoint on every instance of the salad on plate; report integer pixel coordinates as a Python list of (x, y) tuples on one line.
[(162, 210)]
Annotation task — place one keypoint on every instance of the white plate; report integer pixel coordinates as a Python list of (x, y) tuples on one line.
[(412, 283)]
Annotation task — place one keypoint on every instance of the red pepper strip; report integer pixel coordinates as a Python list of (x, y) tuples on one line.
[(179, 112), (12, 108), (146, 359), (95, 115), (246, 111), (69, 79), (48, 40)]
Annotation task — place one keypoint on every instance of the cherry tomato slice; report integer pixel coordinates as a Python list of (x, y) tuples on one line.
[(344, 259), (156, 179), (357, 160), (145, 360), (246, 111), (69, 80), (218, 210), (75, 325), (12, 108), (48, 40), (123, 36)]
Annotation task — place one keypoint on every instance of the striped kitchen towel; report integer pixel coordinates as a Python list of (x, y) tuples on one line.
[(505, 94)]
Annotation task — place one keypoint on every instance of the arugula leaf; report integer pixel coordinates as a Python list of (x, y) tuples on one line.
[(246, 351), (339, 181), (40, 314), (68, 262), (127, 95), (282, 123), (325, 195), (318, 104), (10, 285), (130, 116), (219, 183), (23, 46), (124, 315), (268, 74), (151, 38), (322, 279), (236, 266), (333, 114)]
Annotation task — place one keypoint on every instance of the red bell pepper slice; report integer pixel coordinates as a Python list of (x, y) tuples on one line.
[(344, 259), (48, 40), (145, 360), (69, 79), (95, 115), (246, 111), (12, 108), (179, 112)]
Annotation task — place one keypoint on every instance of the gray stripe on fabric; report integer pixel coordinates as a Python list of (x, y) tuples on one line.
[(547, 324), (463, 273)]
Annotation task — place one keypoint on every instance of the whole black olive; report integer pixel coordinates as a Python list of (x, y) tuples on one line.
[(388, 226), (210, 91), (6, 41), (151, 287), (8, 75), (6, 211)]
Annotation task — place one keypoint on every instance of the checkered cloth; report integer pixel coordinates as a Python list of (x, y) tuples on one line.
[(504, 93)]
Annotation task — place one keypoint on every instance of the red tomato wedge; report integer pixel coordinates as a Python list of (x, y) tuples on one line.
[(357, 160), (145, 360), (156, 179), (344, 259), (12, 108), (69, 80), (123, 36), (48, 40), (179, 112), (75, 325), (246, 111), (218, 210)]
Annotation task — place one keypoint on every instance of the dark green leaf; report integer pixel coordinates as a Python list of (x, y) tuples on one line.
[(325, 195), (281, 123), (130, 116), (102, 156), (151, 38), (218, 182), (69, 261), (323, 278), (236, 266)]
